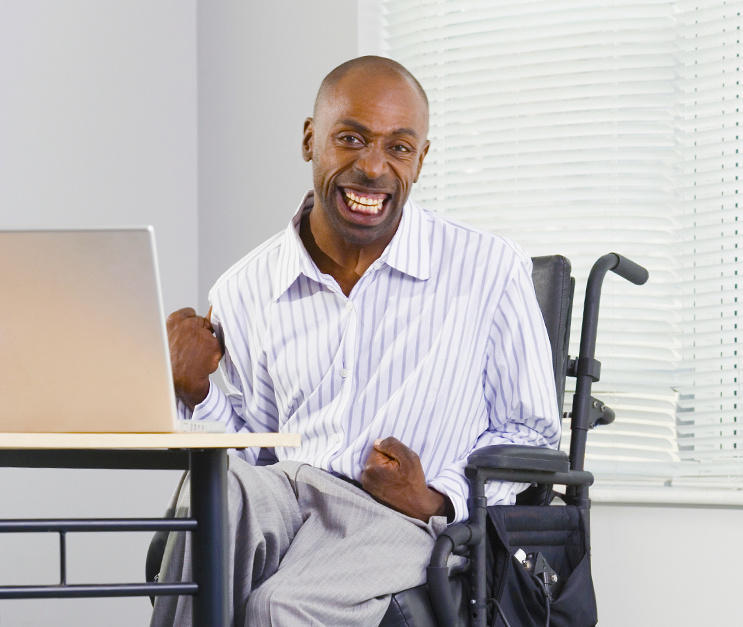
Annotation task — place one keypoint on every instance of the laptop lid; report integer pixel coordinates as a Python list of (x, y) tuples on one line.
[(83, 346)]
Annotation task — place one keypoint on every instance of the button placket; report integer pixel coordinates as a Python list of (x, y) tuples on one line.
[(349, 342), (348, 351)]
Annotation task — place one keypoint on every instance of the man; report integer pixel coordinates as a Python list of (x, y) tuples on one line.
[(395, 342)]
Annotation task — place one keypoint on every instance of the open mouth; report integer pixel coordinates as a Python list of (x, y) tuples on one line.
[(363, 202)]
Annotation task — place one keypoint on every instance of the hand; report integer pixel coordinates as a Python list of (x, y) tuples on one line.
[(194, 354), (394, 476)]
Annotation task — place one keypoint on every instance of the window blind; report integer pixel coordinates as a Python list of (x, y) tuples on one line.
[(710, 442), (582, 128)]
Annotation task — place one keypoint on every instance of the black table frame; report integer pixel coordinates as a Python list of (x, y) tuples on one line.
[(208, 524)]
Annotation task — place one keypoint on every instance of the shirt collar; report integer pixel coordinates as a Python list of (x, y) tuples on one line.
[(408, 251), (293, 257), (410, 248)]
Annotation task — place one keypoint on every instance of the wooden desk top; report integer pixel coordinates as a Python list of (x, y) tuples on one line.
[(145, 440)]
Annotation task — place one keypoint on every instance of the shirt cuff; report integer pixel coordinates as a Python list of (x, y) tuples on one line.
[(183, 410), (205, 409), (208, 409), (457, 495), (496, 493)]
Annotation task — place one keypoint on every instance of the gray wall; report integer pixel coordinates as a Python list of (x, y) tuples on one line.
[(672, 565), (97, 128), (98, 122), (260, 64), (108, 116)]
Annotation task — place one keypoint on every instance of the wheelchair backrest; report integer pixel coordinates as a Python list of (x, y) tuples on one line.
[(554, 289)]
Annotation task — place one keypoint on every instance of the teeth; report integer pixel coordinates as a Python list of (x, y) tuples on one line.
[(363, 204)]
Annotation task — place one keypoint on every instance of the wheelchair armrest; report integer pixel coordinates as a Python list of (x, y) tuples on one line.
[(518, 457)]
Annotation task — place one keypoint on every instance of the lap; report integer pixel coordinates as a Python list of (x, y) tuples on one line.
[(307, 548), (349, 555)]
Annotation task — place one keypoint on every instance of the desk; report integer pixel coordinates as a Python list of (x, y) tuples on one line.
[(204, 454)]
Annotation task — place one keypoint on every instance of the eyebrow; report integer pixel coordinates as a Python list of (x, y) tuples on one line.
[(363, 129)]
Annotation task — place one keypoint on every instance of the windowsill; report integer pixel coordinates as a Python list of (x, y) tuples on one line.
[(636, 495)]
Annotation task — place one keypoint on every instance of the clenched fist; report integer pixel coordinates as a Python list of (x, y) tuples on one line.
[(394, 476), (194, 354)]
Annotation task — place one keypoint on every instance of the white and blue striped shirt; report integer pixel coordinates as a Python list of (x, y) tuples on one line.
[(440, 344)]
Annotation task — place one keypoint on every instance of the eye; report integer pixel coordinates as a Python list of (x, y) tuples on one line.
[(401, 148), (353, 140)]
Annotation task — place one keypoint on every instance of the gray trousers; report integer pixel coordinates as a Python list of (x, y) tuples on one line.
[(305, 548)]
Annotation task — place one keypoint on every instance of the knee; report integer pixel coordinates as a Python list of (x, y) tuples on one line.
[(275, 604), (258, 611)]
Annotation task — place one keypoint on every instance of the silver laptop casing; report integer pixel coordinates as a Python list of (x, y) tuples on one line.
[(83, 346)]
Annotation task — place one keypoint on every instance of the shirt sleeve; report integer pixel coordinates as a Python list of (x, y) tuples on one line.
[(519, 390), (248, 404)]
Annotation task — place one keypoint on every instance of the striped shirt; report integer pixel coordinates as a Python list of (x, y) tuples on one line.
[(440, 344)]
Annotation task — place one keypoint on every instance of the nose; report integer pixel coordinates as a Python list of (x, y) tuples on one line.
[(373, 162)]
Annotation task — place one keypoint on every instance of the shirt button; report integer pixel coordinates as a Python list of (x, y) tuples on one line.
[(335, 438), (349, 305), (345, 372)]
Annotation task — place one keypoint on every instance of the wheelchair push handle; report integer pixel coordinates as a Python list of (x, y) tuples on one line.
[(589, 373), (618, 264), (628, 269)]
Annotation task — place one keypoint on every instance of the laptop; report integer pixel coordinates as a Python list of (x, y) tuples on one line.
[(83, 346)]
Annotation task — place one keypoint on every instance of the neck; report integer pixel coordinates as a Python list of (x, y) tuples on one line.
[(344, 261)]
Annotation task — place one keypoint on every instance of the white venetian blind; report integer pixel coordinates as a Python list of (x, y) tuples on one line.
[(709, 420), (581, 128)]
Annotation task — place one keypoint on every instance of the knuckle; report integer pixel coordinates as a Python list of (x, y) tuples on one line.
[(180, 315)]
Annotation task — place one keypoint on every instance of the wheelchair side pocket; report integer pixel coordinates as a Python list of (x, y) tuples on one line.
[(559, 535)]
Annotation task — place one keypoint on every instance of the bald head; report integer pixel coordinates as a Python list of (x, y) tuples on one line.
[(372, 65)]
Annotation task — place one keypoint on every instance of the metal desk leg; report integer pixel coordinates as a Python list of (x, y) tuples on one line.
[(209, 508)]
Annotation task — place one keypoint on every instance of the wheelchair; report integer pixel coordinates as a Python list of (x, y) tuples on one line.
[(528, 563)]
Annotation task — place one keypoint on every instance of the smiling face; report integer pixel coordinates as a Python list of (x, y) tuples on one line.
[(367, 143)]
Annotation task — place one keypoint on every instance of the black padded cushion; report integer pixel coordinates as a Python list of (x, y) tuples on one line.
[(412, 608), (554, 286), (519, 457)]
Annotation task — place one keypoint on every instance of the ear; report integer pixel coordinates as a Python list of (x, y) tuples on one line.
[(307, 140), (424, 152)]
